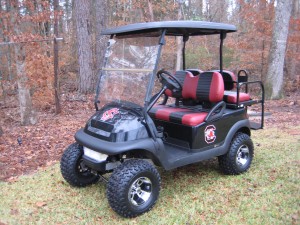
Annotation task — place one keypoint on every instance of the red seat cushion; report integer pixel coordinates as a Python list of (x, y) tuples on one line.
[(178, 115), (231, 97)]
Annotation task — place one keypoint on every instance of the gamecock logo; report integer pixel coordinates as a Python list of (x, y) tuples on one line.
[(109, 114), (210, 135)]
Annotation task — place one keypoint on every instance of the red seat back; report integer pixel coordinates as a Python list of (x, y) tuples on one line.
[(206, 87), (180, 75)]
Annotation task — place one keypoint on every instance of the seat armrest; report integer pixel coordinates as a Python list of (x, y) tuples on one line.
[(216, 112)]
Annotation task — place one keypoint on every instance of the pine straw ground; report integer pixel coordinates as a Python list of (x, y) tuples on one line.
[(197, 194)]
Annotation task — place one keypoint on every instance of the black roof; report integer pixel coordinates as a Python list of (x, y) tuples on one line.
[(174, 28)]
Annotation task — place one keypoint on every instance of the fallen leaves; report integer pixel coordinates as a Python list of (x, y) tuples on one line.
[(40, 204), (42, 144), (14, 212), (295, 218)]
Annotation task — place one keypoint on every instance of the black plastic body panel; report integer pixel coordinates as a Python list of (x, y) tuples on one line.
[(114, 148), (117, 122), (193, 138), (118, 129), (175, 151), (174, 156)]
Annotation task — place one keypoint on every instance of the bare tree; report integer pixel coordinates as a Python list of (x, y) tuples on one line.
[(100, 24), (179, 40), (28, 116), (6, 38), (55, 51), (84, 44), (274, 81), (150, 7), (292, 63)]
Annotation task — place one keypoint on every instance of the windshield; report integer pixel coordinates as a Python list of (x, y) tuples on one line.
[(129, 64)]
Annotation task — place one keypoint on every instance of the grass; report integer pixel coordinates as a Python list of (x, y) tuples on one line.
[(197, 194)]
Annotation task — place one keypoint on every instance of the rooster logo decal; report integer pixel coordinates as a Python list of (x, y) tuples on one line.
[(209, 133), (109, 114)]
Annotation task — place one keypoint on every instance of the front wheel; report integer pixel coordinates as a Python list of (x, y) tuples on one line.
[(72, 168), (239, 157), (133, 188)]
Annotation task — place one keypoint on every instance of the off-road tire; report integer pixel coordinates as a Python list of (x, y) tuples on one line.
[(70, 167), (230, 163), (120, 186)]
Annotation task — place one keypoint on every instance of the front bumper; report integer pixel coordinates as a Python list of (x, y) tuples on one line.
[(113, 148), (93, 164)]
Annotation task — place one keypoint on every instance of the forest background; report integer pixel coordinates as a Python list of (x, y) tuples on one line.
[(37, 70)]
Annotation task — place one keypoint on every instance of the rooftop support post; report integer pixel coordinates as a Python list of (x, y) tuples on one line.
[(222, 37), (185, 39)]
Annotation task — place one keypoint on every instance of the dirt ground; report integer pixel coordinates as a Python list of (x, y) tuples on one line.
[(24, 149)]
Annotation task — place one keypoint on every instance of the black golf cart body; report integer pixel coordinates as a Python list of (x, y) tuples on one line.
[(123, 130), (196, 115)]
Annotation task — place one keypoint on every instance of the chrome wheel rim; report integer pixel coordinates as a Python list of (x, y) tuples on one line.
[(140, 191), (242, 155)]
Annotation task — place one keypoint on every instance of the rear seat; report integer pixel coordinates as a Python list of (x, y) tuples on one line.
[(208, 87), (229, 78), (230, 95)]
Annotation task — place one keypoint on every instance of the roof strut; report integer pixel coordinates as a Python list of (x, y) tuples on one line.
[(185, 39), (222, 37)]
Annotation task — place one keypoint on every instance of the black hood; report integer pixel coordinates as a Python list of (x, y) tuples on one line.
[(117, 122)]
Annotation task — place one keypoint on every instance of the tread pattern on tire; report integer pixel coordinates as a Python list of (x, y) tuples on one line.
[(69, 167), (118, 184), (227, 162)]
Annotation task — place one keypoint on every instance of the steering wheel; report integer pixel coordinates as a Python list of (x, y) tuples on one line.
[(169, 80)]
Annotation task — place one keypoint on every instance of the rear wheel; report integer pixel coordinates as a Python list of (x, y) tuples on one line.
[(133, 188), (239, 157), (72, 168)]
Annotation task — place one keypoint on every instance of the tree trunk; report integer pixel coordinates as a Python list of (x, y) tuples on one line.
[(150, 10), (200, 8), (179, 41), (274, 81), (295, 11), (84, 44), (8, 53), (55, 56), (1, 131), (28, 116), (101, 24), (68, 9)]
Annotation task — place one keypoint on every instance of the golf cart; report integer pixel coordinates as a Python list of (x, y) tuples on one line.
[(196, 115)]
